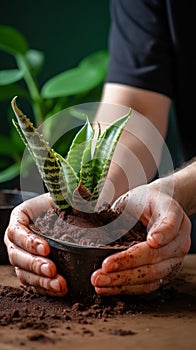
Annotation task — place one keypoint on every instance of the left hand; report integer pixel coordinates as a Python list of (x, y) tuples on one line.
[(143, 267), (28, 252)]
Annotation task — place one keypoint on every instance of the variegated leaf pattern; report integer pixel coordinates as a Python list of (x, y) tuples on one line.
[(76, 180), (104, 150), (86, 172), (70, 178), (44, 157), (81, 142)]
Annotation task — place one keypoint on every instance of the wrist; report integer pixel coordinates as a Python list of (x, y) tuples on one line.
[(184, 188), (181, 186)]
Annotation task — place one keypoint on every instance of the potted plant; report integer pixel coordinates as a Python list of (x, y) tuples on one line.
[(80, 235), (80, 84), (76, 85)]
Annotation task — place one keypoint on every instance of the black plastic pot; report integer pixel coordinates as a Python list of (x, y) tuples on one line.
[(8, 200), (76, 263)]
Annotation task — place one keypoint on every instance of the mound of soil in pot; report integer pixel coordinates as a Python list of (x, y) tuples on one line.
[(75, 227)]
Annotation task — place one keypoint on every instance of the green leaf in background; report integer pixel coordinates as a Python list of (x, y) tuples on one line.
[(17, 142), (12, 41), (35, 60), (71, 82), (8, 91), (10, 76), (72, 87), (10, 172), (98, 59), (11, 146)]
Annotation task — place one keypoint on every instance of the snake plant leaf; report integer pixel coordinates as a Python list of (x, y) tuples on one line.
[(86, 173), (44, 157), (70, 177), (82, 142), (104, 150)]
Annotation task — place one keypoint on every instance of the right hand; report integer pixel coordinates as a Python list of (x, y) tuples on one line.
[(27, 252), (141, 268)]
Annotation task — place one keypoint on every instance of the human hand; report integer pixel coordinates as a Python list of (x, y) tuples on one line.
[(143, 267), (27, 252)]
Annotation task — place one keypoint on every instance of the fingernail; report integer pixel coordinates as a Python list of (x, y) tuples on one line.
[(109, 266), (158, 237), (54, 284), (40, 249), (45, 269), (102, 280)]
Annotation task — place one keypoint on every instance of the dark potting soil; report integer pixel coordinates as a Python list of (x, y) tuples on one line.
[(24, 308), (75, 227)]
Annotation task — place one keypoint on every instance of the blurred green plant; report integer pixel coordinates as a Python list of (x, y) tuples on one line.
[(80, 84)]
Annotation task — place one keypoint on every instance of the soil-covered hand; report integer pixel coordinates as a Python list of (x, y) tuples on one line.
[(27, 252), (145, 266)]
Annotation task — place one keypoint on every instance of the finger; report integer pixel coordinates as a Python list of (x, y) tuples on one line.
[(167, 227), (21, 216), (29, 262), (129, 290), (22, 237), (56, 286), (137, 255), (142, 254), (141, 275), (31, 208)]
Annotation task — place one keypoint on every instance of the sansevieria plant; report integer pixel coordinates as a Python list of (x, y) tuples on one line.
[(76, 180)]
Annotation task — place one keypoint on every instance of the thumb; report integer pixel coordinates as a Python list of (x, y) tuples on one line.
[(165, 227)]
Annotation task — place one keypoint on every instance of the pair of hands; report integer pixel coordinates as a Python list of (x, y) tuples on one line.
[(137, 270)]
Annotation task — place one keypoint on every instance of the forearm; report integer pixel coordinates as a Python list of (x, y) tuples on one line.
[(182, 186), (185, 187), (137, 155)]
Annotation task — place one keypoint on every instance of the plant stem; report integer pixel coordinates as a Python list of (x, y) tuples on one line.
[(33, 89)]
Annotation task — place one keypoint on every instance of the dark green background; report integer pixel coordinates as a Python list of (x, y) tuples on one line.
[(66, 31)]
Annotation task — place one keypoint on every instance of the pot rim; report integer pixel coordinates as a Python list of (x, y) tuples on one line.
[(64, 245)]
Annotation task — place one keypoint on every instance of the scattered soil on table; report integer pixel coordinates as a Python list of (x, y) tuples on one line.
[(24, 308)]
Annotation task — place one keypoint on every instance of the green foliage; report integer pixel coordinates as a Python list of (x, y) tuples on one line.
[(77, 85), (77, 179)]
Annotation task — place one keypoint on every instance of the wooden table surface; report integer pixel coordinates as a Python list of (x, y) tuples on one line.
[(171, 328)]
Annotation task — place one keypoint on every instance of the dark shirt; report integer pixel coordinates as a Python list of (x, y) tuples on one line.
[(151, 47)]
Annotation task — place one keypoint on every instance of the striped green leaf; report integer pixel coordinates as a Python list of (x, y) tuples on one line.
[(70, 177), (86, 172), (104, 150), (76, 180), (82, 142), (44, 157)]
